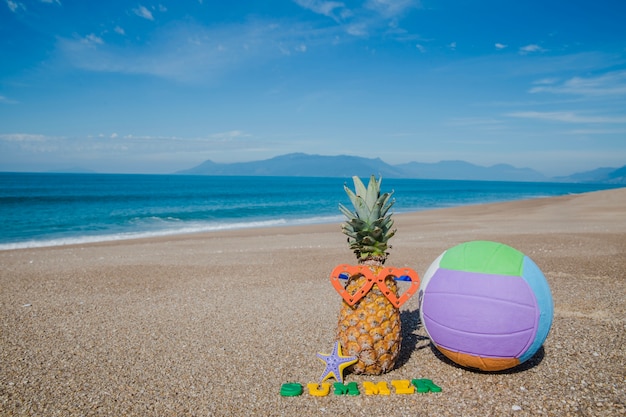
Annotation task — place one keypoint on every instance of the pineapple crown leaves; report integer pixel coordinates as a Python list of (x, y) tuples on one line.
[(369, 227)]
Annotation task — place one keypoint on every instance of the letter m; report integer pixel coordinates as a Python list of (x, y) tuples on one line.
[(380, 388)]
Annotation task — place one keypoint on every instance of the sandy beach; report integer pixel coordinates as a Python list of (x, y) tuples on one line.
[(213, 324)]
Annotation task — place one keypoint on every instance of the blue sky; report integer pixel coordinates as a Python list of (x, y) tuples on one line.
[(158, 86)]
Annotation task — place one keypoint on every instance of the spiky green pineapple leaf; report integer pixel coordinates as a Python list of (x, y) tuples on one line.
[(346, 212), (362, 211), (369, 226), (373, 191), (359, 187)]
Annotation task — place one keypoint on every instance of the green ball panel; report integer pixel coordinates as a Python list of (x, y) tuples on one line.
[(484, 257)]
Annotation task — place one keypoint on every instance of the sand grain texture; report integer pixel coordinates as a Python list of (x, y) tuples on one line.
[(214, 324)]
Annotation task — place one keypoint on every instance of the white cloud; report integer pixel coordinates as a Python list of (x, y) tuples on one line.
[(597, 132), (528, 49), (326, 8), (479, 122), (609, 84), (186, 52), (568, 117), (546, 81), (452, 46), (230, 135), (499, 45), (7, 100), (51, 1), (359, 29), (22, 137), (92, 39), (360, 22), (189, 52), (391, 8), (14, 5), (118, 152), (141, 11), (420, 48)]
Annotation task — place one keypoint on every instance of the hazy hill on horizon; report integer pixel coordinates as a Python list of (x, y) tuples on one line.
[(305, 165)]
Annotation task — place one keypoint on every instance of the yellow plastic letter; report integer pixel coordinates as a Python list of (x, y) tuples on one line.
[(318, 390), (380, 388), (403, 386)]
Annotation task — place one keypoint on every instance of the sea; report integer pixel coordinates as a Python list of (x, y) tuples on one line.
[(50, 209)]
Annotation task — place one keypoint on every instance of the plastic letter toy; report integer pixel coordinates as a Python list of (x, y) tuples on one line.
[(336, 363), (376, 389), (403, 386), (291, 389), (425, 385), (351, 388), (318, 390)]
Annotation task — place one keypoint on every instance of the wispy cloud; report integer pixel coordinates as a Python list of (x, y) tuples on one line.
[(115, 141), (598, 131), (333, 9), (7, 100), (339, 11), (99, 151), (499, 46), (528, 49), (391, 8), (546, 81), (230, 135), (22, 137), (142, 11), (361, 21), (14, 6), (568, 117), (92, 39), (484, 122), (609, 84), (188, 52)]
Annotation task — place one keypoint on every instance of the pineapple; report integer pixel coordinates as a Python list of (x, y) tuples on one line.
[(369, 329)]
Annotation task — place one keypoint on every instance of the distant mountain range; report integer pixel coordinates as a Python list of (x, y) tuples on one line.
[(305, 165)]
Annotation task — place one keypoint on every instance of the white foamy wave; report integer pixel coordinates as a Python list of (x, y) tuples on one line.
[(170, 230)]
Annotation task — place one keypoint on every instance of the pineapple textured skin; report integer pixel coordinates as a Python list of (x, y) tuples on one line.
[(370, 330)]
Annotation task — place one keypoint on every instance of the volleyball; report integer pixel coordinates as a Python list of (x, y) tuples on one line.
[(486, 305)]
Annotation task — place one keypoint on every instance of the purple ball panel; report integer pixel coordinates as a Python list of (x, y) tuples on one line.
[(503, 287), (480, 315), (494, 346)]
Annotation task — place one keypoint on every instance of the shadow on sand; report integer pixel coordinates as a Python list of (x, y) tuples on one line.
[(411, 341)]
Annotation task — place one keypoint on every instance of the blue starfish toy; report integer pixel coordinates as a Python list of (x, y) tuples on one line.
[(336, 363)]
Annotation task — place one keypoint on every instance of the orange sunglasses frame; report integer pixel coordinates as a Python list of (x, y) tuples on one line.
[(364, 270)]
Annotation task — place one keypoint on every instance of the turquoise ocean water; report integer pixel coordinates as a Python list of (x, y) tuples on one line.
[(57, 209)]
